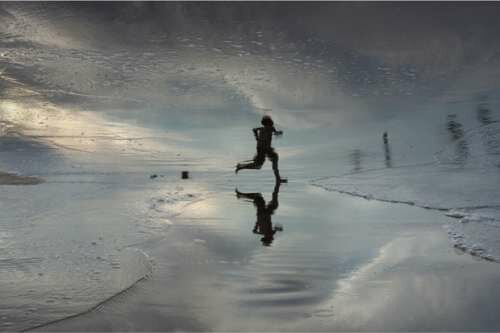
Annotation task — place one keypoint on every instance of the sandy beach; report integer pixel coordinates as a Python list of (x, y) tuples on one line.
[(122, 126)]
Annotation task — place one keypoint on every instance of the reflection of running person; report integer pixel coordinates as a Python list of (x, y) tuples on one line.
[(264, 136), (264, 224)]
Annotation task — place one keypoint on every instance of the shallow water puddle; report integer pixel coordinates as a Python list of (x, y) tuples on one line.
[(336, 262)]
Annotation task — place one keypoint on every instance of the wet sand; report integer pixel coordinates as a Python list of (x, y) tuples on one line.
[(180, 89), (340, 263), (13, 179)]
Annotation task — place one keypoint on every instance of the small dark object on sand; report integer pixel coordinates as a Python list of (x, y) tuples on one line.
[(153, 176), (185, 174)]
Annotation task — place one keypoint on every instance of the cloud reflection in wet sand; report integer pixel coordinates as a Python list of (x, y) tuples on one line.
[(109, 88), (411, 285)]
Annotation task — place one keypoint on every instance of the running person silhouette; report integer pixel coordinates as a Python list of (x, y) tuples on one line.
[(264, 137)]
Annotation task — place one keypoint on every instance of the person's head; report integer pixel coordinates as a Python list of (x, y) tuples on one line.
[(267, 121)]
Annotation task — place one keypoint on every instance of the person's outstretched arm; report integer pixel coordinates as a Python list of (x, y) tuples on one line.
[(276, 132), (256, 133)]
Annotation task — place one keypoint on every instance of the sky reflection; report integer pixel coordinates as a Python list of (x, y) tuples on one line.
[(118, 98), (189, 73)]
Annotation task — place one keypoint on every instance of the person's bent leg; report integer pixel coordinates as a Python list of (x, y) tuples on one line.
[(252, 165), (257, 163)]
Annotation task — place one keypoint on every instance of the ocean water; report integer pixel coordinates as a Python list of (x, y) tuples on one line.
[(109, 103)]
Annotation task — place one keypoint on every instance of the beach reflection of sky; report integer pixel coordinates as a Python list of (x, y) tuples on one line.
[(193, 79), (114, 94), (340, 263)]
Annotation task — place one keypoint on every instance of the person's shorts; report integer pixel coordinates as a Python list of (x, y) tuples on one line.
[(261, 155)]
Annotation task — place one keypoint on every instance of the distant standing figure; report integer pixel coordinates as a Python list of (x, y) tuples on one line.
[(454, 127), (355, 157), (387, 150), (490, 136), (264, 137), (457, 135), (484, 114)]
